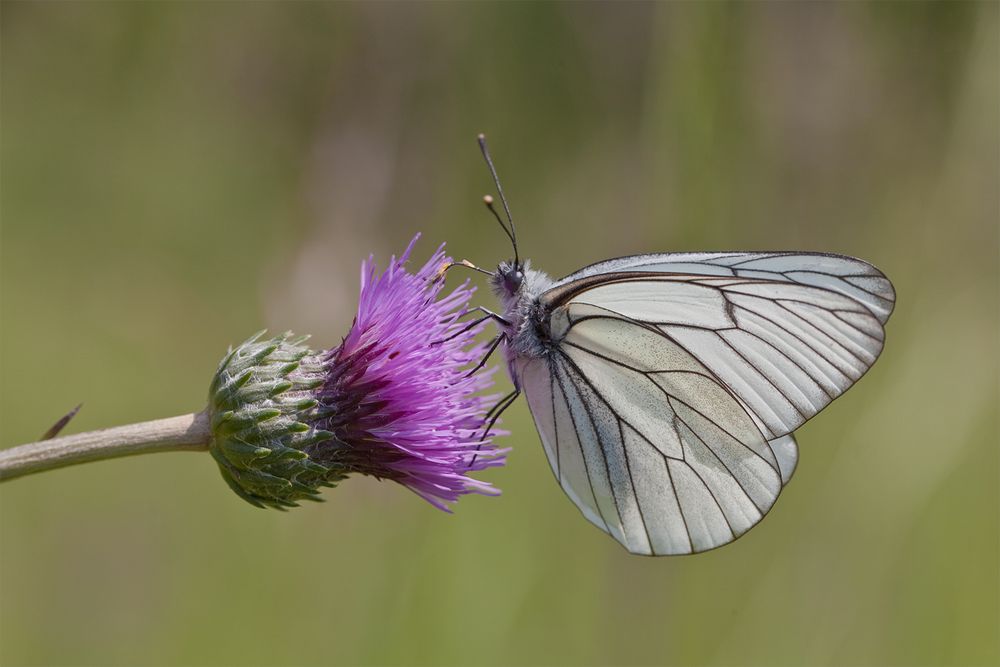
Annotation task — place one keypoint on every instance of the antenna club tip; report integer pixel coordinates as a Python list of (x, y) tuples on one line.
[(481, 137), (488, 200)]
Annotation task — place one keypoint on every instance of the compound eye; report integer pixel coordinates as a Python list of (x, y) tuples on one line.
[(514, 280)]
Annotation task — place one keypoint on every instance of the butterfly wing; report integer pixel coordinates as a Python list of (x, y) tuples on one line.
[(650, 447), (807, 325), (667, 404), (852, 277)]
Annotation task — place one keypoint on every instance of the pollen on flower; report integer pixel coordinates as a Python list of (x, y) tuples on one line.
[(394, 400)]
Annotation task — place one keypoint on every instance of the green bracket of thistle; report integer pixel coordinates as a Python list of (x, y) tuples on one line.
[(262, 408)]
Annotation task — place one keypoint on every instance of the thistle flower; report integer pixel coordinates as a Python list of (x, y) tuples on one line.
[(395, 400)]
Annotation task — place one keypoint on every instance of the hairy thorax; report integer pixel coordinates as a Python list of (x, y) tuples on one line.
[(526, 331)]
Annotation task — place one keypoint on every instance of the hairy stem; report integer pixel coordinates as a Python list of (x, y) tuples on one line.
[(187, 432)]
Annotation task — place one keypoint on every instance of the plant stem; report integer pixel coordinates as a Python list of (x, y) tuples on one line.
[(187, 432)]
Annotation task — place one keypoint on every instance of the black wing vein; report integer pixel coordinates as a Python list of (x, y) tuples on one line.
[(666, 394), (583, 456)]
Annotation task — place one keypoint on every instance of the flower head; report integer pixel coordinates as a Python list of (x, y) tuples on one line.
[(395, 400)]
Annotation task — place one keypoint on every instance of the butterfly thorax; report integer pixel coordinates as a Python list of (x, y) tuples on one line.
[(518, 288)]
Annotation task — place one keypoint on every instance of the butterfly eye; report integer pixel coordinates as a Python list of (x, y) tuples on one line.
[(513, 279)]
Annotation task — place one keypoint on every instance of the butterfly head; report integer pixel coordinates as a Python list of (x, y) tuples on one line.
[(509, 278), (515, 282), (518, 283)]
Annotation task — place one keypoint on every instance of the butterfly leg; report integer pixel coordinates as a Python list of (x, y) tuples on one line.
[(493, 415), (500, 338), (502, 405), (490, 315)]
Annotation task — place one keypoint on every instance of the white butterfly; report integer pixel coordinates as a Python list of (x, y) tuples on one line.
[(666, 387)]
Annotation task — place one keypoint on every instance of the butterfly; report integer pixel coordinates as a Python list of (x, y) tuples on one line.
[(666, 387)]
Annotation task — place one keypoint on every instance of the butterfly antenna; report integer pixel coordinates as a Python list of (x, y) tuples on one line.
[(488, 200), (503, 200)]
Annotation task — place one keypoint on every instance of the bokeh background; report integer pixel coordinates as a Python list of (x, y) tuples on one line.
[(176, 176)]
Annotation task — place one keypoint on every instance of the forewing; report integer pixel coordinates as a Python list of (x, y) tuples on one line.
[(650, 447), (785, 349), (851, 277)]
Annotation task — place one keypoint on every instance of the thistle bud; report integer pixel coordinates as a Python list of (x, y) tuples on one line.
[(264, 412)]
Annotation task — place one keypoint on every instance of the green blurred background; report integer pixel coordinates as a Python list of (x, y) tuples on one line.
[(176, 176)]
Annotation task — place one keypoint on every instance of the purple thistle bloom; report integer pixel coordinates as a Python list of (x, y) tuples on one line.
[(394, 400), (403, 405)]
